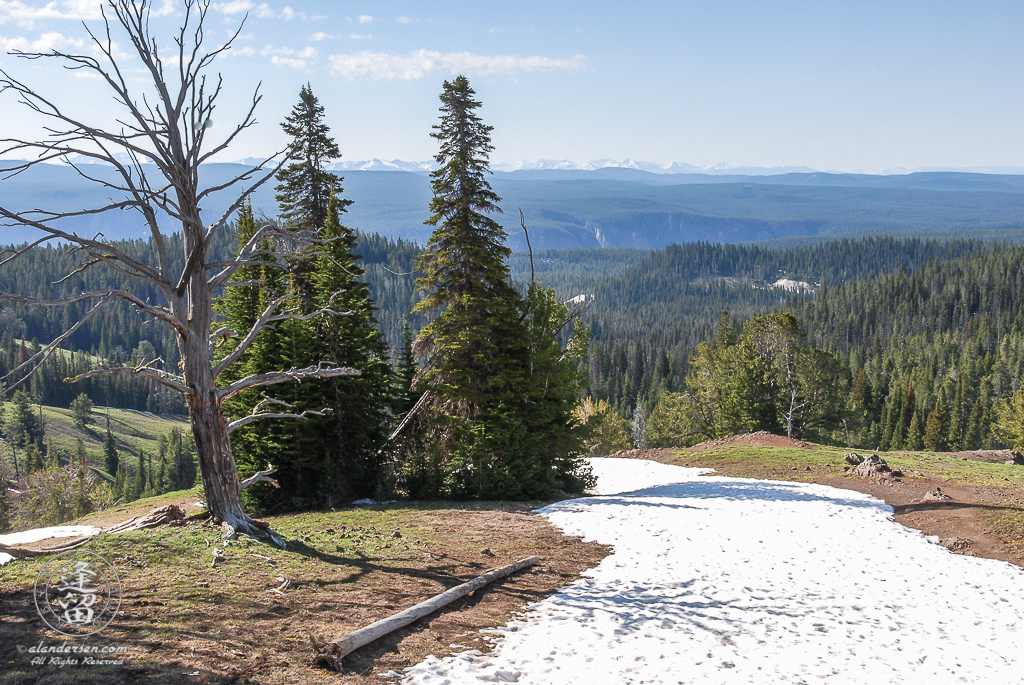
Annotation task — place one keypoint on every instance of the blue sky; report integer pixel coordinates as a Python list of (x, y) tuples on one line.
[(829, 85)]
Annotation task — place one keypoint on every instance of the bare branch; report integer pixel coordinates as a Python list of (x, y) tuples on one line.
[(266, 318), (249, 418), (159, 312), (260, 477), (321, 370), (145, 370)]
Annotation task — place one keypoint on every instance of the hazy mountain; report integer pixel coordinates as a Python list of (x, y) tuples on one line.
[(610, 206)]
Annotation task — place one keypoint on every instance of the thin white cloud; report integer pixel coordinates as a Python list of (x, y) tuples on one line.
[(365, 18), (262, 10), (421, 63), (320, 35), (247, 51), (288, 62), (26, 15), (44, 43), (402, 19), (167, 8), (357, 36), (233, 6), (308, 52)]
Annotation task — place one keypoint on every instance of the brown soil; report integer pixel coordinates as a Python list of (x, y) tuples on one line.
[(964, 524), (231, 627), (758, 439)]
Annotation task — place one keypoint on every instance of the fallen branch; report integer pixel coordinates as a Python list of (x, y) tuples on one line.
[(22, 553), (331, 653), (160, 516)]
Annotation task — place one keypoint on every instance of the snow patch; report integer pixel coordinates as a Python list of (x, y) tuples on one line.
[(727, 580), (37, 534)]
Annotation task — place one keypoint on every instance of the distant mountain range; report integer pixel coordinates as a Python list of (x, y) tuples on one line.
[(607, 206), (376, 164), (561, 165)]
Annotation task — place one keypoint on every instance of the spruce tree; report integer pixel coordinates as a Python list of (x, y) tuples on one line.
[(474, 347), (5, 506), (936, 427), (304, 185), (915, 434), (110, 456), (405, 371), (334, 456), (140, 477), (491, 368)]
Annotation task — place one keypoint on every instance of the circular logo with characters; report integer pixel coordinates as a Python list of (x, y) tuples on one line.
[(77, 593)]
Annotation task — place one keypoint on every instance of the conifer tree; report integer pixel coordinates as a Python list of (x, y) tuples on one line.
[(110, 456), (915, 435), (81, 411), (958, 416), (465, 276), (474, 347), (405, 371), (304, 185), (936, 428), (334, 454), (488, 352), (5, 506), (161, 478), (140, 477)]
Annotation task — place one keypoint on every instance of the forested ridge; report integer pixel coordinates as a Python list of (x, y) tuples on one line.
[(647, 320), (942, 317)]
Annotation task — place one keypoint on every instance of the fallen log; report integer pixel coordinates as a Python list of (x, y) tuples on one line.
[(22, 553), (160, 516), (331, 653)]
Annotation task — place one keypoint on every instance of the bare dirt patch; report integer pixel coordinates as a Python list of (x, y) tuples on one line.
[(758, 439), (187, 621)]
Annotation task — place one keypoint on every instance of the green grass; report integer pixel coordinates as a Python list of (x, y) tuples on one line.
[(775, 462), (347, 567), (131, 430)]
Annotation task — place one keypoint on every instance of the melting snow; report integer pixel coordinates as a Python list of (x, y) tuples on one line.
[(724, 580), (37, 534)]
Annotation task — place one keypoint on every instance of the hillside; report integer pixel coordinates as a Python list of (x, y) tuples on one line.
[(132, 431), (228, 622)]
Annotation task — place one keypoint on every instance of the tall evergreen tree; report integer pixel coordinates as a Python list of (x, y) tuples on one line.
[(478, 348), (474, 347), (336, 454), (305, 185), (936, 427), (140, 477), (405, 371), (5, 505)]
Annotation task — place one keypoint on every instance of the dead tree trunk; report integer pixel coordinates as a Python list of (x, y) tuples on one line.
[(163, 136)]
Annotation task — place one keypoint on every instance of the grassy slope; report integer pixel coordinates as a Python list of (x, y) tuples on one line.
[(225, 623), (132, 431), (789, 463)]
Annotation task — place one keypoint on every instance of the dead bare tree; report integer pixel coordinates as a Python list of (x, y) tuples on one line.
[(156, 148)]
